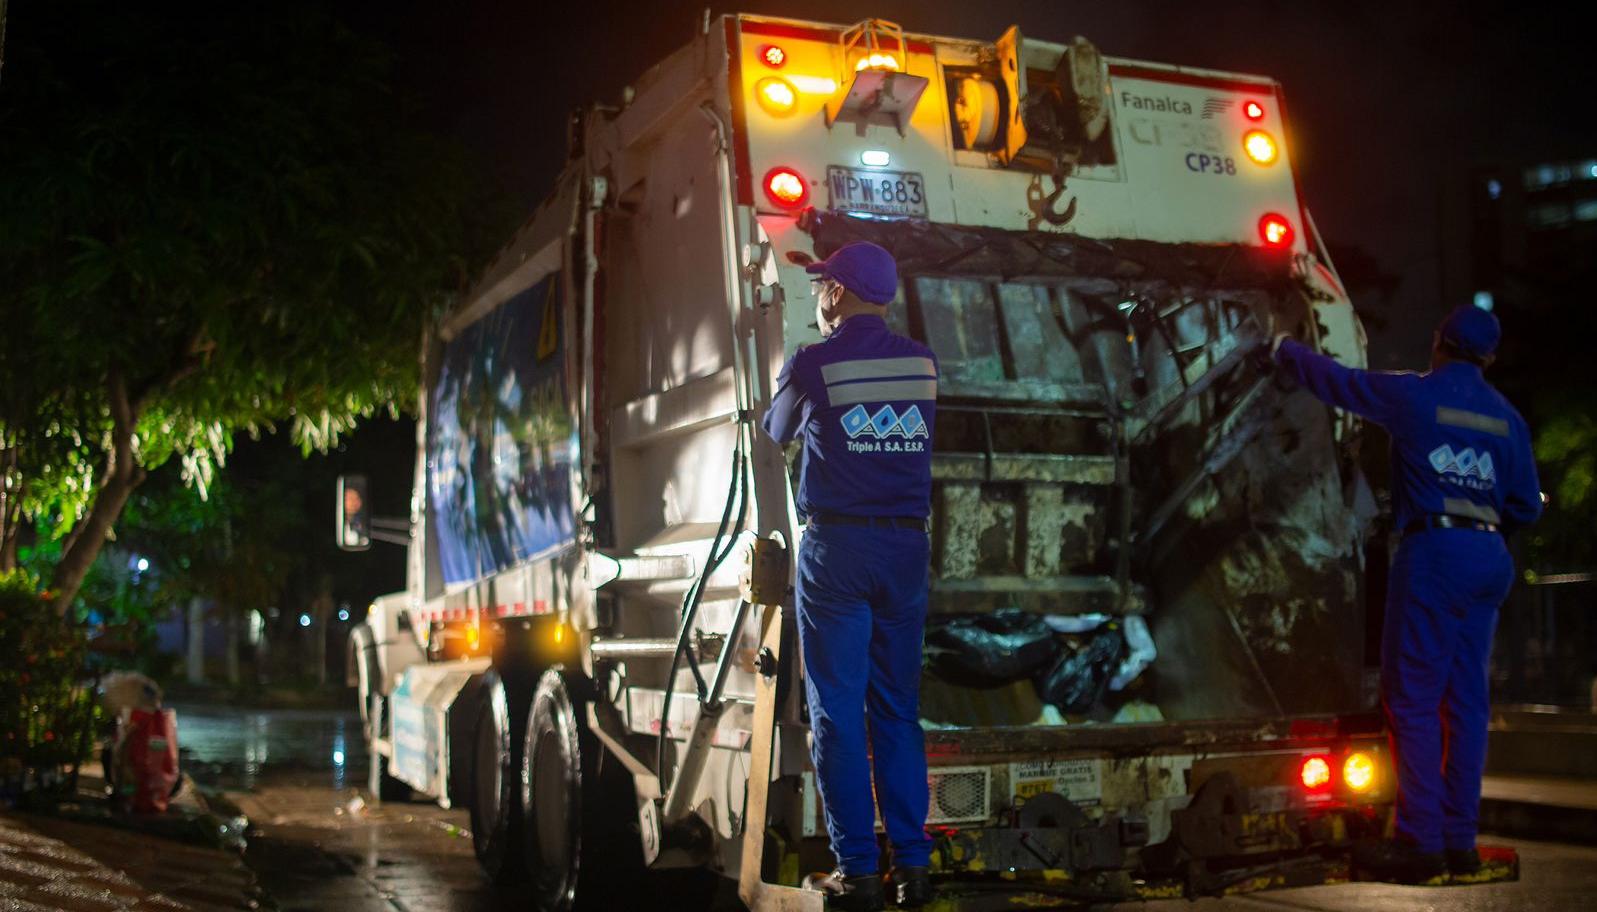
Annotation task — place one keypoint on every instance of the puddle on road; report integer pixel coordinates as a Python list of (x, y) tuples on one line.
[(230, 747)]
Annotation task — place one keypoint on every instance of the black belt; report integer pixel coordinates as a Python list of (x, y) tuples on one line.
[(916, 523), (1446, 521)]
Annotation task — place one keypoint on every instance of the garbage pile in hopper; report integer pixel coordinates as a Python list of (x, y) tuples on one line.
[(1074, 662)]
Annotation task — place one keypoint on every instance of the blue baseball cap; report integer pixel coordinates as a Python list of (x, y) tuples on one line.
[(863, 268), (1472, 331)]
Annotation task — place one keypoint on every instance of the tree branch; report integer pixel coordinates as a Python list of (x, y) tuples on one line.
[(195, 355)]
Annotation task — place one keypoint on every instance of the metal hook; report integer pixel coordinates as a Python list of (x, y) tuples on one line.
[(1049, 202)]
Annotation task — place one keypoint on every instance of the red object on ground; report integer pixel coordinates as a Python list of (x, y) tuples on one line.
[(147, 759)]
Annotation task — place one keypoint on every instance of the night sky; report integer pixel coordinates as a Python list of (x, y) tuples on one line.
[(1390, 104)]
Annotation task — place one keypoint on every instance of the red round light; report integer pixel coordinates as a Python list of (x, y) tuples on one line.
[(1252, 110), (773, 56), (1315, 773), (786, 187), (1275, 230)]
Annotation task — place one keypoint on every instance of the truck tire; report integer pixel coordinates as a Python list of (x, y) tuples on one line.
[(580, 847), (495, 787)]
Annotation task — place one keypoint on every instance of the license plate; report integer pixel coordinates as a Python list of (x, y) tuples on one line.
[(900, 193)]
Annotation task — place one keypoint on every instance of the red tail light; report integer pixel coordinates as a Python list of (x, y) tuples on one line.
[(1275, 230), (773, 56), (786, 187), (1315, 773), (1252, 110)]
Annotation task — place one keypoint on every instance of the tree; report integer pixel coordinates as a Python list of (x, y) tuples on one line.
[(215, 220)]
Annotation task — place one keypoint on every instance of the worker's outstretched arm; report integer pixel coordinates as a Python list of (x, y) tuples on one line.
[(1375, 395), (1522, 499), (786, 415)]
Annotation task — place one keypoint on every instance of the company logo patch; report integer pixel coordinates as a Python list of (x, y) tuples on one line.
[(884, 423), (1470, 468), (1213, 106)]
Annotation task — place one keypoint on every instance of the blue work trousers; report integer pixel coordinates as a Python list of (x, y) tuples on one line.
[(861, 598), (1441, 611)]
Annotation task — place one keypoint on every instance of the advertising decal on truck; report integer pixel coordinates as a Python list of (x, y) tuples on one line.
[(500, 442)]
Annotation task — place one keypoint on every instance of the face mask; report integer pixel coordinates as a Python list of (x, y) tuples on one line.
[(826, 294)]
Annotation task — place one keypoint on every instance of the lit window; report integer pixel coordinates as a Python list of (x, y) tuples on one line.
[(1586, 210)]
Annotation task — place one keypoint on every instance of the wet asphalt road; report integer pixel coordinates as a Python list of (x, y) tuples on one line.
[(318, 845)]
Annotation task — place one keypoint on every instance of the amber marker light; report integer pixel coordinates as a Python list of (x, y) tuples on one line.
[(1358, 771), (1260, 147), (877, 62), (776, 95)]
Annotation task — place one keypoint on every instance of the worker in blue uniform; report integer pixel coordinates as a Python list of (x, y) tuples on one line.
[(864, 402), (1462, 474)]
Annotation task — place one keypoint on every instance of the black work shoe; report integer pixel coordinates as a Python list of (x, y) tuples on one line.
[(911, 886), (1463, 861), (1397, 861), (849, 894)]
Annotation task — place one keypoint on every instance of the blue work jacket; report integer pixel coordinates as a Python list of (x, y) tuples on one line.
[(1458, 447), (864, 400)]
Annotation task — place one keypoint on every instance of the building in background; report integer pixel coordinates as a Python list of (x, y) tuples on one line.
[(1533, 233), (1531, 257)]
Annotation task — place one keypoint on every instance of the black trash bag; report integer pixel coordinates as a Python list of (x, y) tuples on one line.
[(1079, 679), (990, 649)]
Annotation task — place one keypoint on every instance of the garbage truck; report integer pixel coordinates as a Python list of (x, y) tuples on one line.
[(1149, 664)]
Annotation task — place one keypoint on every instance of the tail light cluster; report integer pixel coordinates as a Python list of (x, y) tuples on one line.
[(1261, 147), (1320, 774)]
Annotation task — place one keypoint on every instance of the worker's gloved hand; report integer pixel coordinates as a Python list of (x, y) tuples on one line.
[(1262, 358)]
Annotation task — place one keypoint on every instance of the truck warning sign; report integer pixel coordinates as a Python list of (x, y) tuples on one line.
[(1080, 780)]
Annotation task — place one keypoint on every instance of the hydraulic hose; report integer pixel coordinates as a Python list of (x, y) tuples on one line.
[(690, 603)]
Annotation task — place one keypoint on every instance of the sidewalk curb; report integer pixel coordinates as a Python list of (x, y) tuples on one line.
[(191, 821), (1528, 820)]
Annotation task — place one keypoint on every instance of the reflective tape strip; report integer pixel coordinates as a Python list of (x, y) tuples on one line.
[(1457, 506), (882, 391), (1475, 421), (840, 371)]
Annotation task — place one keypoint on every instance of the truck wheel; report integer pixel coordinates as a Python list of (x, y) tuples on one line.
[(495, 789), (581, 851)]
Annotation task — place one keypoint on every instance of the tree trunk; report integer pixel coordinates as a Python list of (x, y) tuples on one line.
[(196, 641), (122, 475)]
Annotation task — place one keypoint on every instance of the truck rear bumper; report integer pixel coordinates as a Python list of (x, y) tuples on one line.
[(965, 893)]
